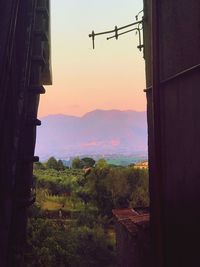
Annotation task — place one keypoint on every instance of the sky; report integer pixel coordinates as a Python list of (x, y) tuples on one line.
[(109, 77)]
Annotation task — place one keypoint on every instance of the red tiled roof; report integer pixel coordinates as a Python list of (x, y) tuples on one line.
[(124, 213), (140, 220), (131, 219)]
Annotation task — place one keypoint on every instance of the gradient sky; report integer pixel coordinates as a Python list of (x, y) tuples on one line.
[(109, 77)]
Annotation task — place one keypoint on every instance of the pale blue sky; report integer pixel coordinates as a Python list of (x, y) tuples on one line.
[(112, 76)]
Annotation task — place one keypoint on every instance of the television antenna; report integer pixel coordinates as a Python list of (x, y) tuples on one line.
[(137, 27)]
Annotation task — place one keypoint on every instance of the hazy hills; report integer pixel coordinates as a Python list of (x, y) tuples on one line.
[(97, 132)]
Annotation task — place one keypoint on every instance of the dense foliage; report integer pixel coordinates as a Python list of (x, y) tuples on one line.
[(71, 221), (56, 244), (78, 163)]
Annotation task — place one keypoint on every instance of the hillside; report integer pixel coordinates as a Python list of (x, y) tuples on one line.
[(97, 132)]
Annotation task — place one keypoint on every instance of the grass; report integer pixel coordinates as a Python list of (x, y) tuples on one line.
[(53, 203), (51, 206)]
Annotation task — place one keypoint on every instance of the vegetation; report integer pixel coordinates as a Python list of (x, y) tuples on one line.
[(56, 244), (78, 163), (71, 222)]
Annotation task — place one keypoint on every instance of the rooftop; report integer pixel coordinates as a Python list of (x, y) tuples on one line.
[(131, 218)]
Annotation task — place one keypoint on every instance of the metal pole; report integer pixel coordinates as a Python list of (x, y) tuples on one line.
[(120, 28)]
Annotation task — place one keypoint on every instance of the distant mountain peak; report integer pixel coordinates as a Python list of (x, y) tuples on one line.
[(98, 131)]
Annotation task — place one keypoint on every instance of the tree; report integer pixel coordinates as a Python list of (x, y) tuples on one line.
[(76, 163), (60, 165), (97, 184), (88, 162), (101, 163), (84, 195), (52, 163), (39, 166), (53, 244), (117, 184)]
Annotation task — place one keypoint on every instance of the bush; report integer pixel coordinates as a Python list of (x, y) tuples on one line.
[(52, 244)]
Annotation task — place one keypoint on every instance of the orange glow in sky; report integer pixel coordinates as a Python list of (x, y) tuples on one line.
[(109, 77)]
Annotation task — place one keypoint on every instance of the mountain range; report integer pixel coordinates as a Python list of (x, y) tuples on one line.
[(97, 132)]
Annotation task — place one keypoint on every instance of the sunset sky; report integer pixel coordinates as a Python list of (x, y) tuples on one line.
[(109, 77)]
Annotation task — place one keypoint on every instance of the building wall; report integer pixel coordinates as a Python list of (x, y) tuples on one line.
[(24, 68), (132, 238), (126, 247), (179, 43)]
